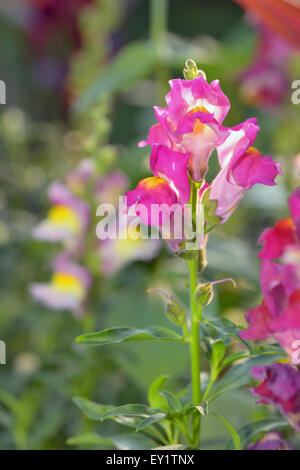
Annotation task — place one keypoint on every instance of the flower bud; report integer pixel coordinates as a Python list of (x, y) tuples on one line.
[(174, 310), (204, 294)]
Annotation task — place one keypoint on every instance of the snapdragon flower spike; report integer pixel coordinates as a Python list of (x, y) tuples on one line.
[(168, 187), (285, 234), (68, 287), (192, 121), (67, 220), (280, 386), (241, 166), (271, 441), (279, 314)]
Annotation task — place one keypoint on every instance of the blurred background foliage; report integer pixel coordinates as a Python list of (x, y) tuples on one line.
[(115, 59)]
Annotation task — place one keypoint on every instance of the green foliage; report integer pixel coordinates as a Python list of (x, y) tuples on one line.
[(125, 334)]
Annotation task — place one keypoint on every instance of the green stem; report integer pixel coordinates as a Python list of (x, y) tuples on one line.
[(195, 351), (158, 30)]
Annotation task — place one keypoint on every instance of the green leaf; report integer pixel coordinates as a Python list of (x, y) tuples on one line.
[(240, 374), (154, 399), (121, 441), (233, 357), (217, 354), (134, 62), (150, 420), (225, 328), (102, 412), (249, 431), (124, 334), (234, 435), (173, 401)]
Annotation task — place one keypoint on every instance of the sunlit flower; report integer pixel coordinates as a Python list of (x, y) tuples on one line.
[(271, 441), (192, 121), (68, 286), (280, 386), (241, 166), (67, 220)]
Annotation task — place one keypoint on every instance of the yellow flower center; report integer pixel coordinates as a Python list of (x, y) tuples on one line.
[(64, 216), (68, 283)]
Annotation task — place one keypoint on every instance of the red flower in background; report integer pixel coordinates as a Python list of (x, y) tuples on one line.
[(280, 16), (55, 21)]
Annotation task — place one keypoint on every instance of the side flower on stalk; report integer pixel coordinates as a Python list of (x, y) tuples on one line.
[(280, 386), (279, 313), (68, 287)]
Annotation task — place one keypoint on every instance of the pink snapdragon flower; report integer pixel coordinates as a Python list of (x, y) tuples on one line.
[(271, 441), (68, 287), (188, 130), (192, 121), (280, 386), (67, 220)]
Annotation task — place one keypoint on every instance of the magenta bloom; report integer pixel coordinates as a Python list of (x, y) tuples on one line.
[(242, 166), (168, 187), (271, 441), (280, 386), (67, 220), (192, 121), (68, 287)]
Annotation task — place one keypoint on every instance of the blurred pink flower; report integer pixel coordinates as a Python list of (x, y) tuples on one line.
[(67, 220), (68, 287)]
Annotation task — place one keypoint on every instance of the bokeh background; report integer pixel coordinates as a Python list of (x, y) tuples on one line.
[(81, 79)]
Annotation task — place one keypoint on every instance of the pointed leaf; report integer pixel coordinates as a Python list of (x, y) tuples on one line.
[(150, 420), (234, 435), (173, 401), (225, 328), (155, 400), (124, 334)]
